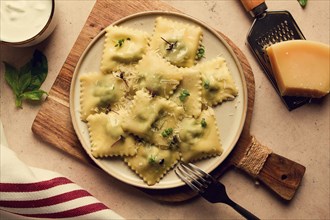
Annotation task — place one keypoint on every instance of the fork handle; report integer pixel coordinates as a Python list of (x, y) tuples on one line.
[(245, 213)]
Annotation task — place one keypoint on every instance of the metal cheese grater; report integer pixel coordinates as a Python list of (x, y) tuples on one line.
[(271, 27)]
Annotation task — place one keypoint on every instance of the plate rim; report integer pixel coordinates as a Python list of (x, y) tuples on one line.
[(160, 13)]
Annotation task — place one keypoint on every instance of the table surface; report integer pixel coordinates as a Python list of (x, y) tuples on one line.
[(301, 135)]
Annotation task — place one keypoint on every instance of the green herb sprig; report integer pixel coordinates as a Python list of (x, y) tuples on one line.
[(206, 84), (120, 42), (152, 159), (183, 95), (200, 52), (26, 81), (167, 132), (203, 123)]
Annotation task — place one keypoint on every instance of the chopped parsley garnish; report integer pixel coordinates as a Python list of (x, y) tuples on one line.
[(167, 132), (203, 123), (183, 95), (206, 84), (200, 52), (152, 159), (120, 42)]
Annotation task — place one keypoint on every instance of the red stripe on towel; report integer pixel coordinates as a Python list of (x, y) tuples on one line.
[(32, 187), (53, 200), (83, 210)]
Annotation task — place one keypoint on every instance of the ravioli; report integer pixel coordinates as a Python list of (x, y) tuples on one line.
[(151, 103), (122, 47), (108, 138), (156, 75), (189, 93), (199, 138), (151, 163), (152, 119), (98, 92), (218, 84), (177, 42)]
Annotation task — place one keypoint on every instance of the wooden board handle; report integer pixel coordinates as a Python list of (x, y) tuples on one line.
[(282, 175), (251, 4)]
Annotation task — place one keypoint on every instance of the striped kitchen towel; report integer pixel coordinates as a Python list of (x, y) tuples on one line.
[(28, 192)]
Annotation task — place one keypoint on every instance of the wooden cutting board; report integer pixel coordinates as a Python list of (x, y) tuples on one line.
[(53, 122)]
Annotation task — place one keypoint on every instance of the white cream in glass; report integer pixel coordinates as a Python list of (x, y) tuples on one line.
[(23, 20)]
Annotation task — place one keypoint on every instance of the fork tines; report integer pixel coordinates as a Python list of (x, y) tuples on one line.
[(193, 176), (208, 187)]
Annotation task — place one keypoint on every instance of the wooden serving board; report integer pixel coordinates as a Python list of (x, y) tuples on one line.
[(53, 122)]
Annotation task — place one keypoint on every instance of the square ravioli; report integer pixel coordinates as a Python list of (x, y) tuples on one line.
[(108, 138), (122, 47), (218, 84), (151, 163), (151, 101), (177, 42), (156, 75), (199, 138), (153, 119), (189, 93), (98, 92)]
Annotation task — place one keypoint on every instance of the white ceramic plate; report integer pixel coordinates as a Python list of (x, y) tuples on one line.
[(230, 115)]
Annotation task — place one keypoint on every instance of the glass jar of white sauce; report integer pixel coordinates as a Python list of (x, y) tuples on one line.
[(26, 22)]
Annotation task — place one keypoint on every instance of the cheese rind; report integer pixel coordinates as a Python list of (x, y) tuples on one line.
[(301, 67)]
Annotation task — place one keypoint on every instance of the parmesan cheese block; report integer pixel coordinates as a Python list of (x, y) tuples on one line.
[(301, 67)]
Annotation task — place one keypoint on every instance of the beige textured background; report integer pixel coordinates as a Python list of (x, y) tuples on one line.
[(301, 135)]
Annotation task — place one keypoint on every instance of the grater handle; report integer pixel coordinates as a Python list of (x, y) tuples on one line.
[(249, 5)]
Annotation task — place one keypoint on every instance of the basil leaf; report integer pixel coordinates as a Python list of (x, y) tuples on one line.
[(39, 70), (11, 77), (35, 95), (24, 81), (26, 68), (18, 101), (24, 77)]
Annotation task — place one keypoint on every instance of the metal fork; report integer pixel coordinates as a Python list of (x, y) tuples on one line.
[(208, 187)]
